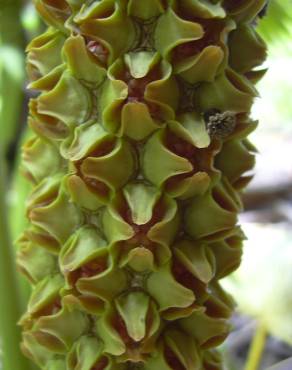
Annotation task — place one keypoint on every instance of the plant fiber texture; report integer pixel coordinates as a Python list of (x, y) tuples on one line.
[(138, 160)]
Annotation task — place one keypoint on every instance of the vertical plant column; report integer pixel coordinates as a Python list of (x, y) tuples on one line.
[(138, 161)]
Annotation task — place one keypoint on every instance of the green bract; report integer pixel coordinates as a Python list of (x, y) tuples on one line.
[(138, 160)]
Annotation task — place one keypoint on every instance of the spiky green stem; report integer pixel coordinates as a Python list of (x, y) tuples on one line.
[(138, 159)]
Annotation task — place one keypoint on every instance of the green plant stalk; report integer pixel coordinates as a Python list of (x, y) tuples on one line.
[(9, 297), (256, 348), (137, 161)]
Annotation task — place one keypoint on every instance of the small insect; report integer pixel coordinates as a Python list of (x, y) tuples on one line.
[(219, 124)]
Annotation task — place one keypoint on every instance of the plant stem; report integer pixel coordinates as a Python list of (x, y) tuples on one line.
[(9, 298), (256, 348)]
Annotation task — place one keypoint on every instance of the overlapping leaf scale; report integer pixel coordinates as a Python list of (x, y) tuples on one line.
[(138, 158)]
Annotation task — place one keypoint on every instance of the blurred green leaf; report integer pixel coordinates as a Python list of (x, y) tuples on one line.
[(262, 284), (29, 17), (31, 21), (276, 26), (11, 94), (11, 70)]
